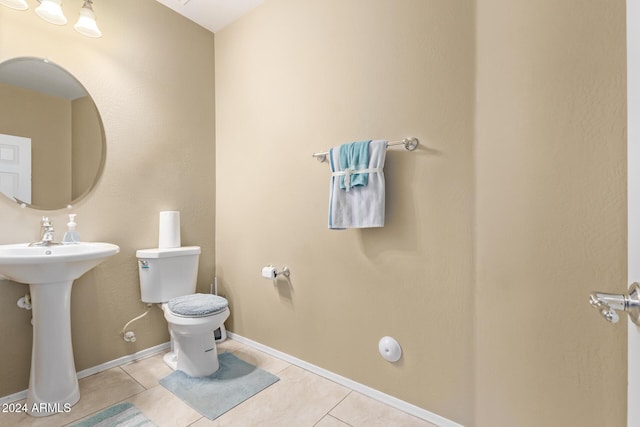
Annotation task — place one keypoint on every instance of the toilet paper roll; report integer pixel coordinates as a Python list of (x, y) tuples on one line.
[(269, 272), (169, 232)]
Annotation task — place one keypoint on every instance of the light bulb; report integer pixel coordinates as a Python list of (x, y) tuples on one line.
[(86, 24), (15, 4), (51, 11)]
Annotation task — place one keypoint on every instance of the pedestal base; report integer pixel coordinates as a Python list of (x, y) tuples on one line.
[(53, 383)]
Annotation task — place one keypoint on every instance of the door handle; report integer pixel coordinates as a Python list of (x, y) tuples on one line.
[(607, 304)]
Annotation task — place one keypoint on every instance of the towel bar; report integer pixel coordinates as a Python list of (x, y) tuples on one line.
[(410, 144)]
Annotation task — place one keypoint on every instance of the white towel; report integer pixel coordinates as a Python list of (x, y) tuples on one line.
[(361, 207)]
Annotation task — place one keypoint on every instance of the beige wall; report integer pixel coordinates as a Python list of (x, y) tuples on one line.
[(46, 120), (296, 77), (497, 230), (550, 212), (511, 212), (151, 76), (86, 155)]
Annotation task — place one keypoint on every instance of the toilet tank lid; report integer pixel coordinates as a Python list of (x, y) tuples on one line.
[(167, 252)]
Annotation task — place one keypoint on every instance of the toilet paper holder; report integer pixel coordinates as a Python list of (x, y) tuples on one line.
[(285, 272), (271, 272)]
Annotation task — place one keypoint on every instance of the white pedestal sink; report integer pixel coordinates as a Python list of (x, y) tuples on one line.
[(50, 271)]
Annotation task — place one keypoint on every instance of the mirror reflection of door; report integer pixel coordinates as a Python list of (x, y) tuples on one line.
[(15, 167), (41, 101)]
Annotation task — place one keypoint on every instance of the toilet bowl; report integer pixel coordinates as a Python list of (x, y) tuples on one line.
[(168, 277), (193, 348)]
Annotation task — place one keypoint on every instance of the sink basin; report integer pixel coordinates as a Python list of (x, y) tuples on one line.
[(50, 271), (49, 264)]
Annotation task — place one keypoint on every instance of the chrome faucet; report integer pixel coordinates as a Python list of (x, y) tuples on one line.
[(607, 304), (46, 233)]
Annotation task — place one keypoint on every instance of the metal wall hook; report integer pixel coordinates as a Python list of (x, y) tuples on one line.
[(607, 304)]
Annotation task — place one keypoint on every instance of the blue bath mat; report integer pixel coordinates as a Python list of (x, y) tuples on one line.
[(212, 396), (121, 415)]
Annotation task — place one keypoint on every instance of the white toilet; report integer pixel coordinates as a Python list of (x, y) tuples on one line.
[(168, 277)]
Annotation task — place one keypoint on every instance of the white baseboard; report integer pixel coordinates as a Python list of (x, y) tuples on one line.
[(97, 369), (360, 388), (124, 360)]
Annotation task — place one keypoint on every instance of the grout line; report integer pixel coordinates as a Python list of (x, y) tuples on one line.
[(339, 420), (338, 404), (246, 348), (134, 379), (341, 400), (143, 354), (97, 369), (387, 399), (292, 361)]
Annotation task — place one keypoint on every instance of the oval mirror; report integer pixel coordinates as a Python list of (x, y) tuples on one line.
[(52, 143)]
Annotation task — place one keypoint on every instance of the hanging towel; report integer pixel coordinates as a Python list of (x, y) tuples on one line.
[(354, 157), (362, 206)]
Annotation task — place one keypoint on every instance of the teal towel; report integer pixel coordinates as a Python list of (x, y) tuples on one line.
[(355, 156)]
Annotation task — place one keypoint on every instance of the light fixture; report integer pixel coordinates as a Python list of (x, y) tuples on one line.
[(51, 11), (86, 24), (15, 4)]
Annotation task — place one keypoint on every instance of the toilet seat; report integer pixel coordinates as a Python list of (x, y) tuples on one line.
[(197, 305)]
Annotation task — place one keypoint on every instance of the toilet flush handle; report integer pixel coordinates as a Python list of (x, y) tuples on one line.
[(143, 263)]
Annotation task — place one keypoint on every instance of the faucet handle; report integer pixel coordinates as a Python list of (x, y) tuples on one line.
[(46, 222)]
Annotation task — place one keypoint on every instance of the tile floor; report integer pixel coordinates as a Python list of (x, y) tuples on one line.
[(299, 399)]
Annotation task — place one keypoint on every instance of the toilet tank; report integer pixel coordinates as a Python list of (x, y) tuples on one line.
[(167, 273)]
